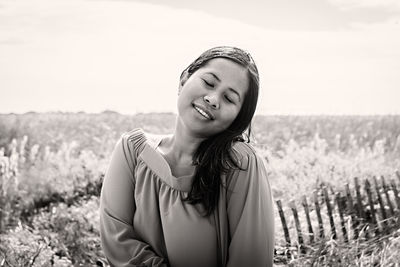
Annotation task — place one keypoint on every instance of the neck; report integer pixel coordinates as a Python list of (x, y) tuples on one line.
[(182, 145)]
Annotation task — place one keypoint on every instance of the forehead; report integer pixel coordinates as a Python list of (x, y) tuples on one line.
[(229, 72)]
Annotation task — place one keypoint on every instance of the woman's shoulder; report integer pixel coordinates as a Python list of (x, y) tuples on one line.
[(252, 169), (138, 138), (133, 136), (134, 140), (244, 153), (242, 147)]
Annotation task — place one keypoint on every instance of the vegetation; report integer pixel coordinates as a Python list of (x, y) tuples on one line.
[(52, 164)]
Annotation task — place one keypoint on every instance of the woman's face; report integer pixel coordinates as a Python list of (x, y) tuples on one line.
[(211, 98)]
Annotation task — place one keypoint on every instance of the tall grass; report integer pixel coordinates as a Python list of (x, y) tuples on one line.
[(51, 168)]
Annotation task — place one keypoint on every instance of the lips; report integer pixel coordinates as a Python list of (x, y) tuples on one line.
[(204, 112)]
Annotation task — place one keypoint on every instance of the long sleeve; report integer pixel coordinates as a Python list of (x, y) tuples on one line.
[(250, 214), (121, 245)]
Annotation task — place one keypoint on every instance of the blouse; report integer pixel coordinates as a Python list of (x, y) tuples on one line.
[(145, 222)]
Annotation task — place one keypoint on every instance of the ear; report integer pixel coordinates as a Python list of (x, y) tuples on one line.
[(182, 81)]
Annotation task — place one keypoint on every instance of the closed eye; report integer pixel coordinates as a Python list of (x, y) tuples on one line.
[(209, 84), (229, 99)]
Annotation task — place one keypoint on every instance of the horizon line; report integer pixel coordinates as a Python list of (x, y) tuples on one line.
[(108, 111)]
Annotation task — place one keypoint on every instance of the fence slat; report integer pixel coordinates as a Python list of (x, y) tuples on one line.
[(360, 210), (385, 190), (381, 205), (350, 210), (318, 211), (342, 222), (310, 229), (284, 225), (329, 209), (298, 227), (396, 193), (371, 206)]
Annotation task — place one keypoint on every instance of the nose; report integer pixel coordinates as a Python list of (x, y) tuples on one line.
[(212, 100)]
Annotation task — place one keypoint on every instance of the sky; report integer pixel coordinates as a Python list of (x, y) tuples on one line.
[(314, 56)]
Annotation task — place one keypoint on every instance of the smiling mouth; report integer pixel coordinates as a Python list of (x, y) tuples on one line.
[(202, 112)]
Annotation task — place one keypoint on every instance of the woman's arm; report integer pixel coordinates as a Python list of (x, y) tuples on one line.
[(120, 243), (250, 214)]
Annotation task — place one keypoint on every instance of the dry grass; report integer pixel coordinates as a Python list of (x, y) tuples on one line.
[(379, 251), (63, 161)]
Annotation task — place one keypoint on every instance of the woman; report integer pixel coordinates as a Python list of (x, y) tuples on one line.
[(200, 196)]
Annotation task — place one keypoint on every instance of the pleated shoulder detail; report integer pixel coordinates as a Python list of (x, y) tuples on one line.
[(135, 140)]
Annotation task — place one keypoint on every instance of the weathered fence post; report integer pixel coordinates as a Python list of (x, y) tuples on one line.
[(318, 211), (340, 208), (359, 202), (298, 227), (1, 201), (381, 205), (385, 190), (396, 193), (306, 210), (284, 225), (329, 209), (350, 210), (371, 206)]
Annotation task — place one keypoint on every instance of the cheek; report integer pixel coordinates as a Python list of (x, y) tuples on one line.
[(183, 96), (230, 114), (184, 101), (186, 93)]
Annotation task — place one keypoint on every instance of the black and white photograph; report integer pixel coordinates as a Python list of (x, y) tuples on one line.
[(206, 133)]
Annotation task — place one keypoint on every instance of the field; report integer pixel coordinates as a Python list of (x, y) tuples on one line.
[(52, 166)]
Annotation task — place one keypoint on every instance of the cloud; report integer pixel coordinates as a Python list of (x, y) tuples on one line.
[(390, 25), (371, 15), (354, 4)]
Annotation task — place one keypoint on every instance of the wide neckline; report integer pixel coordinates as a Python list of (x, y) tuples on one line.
[(156, 148), (160, 166)]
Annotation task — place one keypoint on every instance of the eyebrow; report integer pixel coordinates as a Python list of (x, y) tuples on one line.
[(219, 80)]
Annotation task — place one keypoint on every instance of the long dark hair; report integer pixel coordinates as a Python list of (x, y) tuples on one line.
[(214, 155)]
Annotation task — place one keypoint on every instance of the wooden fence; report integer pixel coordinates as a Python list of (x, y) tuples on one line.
[(365, 210)]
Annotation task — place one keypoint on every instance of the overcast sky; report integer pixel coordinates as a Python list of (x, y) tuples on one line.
[(314, 56)]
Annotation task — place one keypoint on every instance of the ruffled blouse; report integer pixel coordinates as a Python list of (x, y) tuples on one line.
[(145, 222)]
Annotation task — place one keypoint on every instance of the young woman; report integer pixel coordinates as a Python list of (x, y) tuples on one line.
[(200, 196)]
